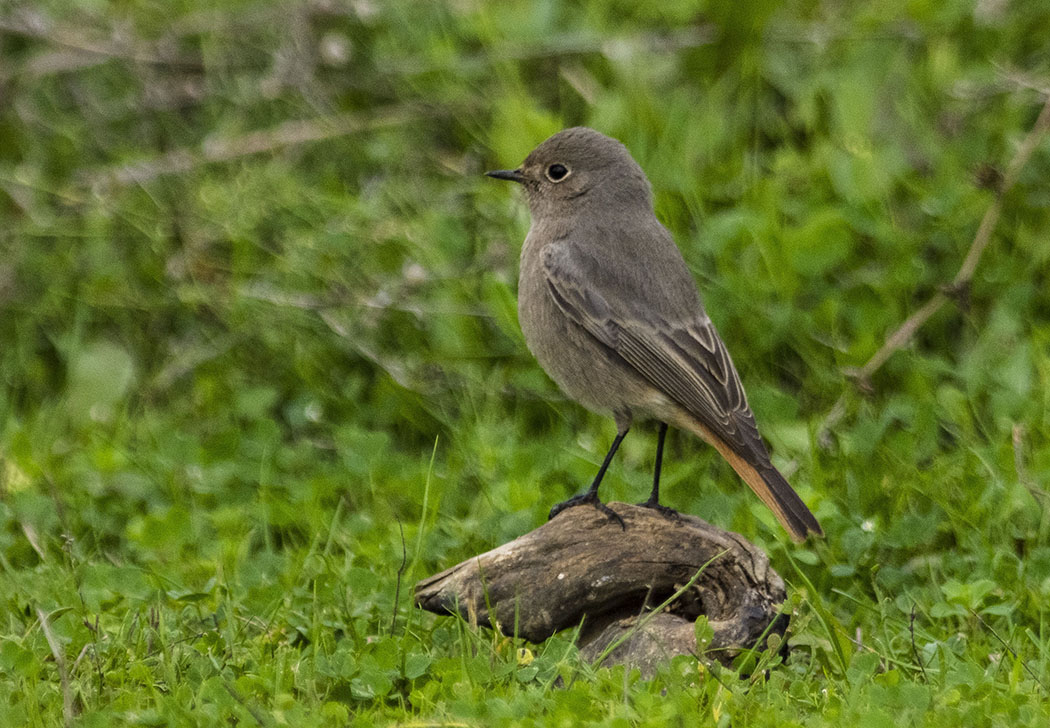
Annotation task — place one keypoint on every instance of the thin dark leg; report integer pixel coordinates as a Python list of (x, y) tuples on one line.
[(591, 496), (654, 496)]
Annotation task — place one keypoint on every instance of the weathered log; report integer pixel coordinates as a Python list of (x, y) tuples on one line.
[(583, 567)]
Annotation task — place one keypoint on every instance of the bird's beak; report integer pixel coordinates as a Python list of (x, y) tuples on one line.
[(514, 175)]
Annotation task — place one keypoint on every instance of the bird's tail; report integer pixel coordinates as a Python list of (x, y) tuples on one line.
[(775, 492)]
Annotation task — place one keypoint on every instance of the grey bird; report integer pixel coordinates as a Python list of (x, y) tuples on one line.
[(611, 312)]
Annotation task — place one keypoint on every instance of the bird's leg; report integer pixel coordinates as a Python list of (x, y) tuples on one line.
[(654, 496), (591, 496)]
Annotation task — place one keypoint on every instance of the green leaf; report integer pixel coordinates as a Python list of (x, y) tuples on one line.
[(100, 375)]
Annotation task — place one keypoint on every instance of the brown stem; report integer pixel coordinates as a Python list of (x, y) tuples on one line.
[(899, 338)]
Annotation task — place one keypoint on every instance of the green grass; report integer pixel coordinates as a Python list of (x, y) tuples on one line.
[(259, 349)]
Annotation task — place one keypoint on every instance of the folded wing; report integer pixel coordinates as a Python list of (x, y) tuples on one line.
[(686, 360)]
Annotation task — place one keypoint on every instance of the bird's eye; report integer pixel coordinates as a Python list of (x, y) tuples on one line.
[(557, 172)]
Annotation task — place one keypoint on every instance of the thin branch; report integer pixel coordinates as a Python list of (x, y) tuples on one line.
[(904, 333), (899, 338), (225, 149), (1011, 650), (561, 45), (90, 41)]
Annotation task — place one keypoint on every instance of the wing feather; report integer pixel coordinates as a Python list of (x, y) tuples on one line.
[(686, 360)]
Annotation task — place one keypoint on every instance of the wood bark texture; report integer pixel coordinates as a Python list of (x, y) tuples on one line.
[(581, 567)]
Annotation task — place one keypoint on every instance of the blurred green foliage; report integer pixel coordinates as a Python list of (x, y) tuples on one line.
[(258, 344)]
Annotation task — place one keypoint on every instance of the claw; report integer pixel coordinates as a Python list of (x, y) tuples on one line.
[(665, 511), (588, 498)]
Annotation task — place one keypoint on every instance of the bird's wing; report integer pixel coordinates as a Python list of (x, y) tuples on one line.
[(684, 359)]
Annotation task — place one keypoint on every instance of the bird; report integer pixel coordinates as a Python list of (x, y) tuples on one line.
[(611, 312)]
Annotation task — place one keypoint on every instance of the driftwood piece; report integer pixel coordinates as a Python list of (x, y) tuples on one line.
[(581, 566)]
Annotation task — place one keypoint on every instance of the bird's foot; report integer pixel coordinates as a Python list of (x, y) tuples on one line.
[(665, 511), (588, 498)]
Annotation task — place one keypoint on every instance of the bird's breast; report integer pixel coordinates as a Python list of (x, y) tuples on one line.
[(585, 369)]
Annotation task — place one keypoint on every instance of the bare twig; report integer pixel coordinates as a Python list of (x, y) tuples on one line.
[(904, 333), (1022, 80), (1011, 650), (90, 42), (566, 44), (224, 149)]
